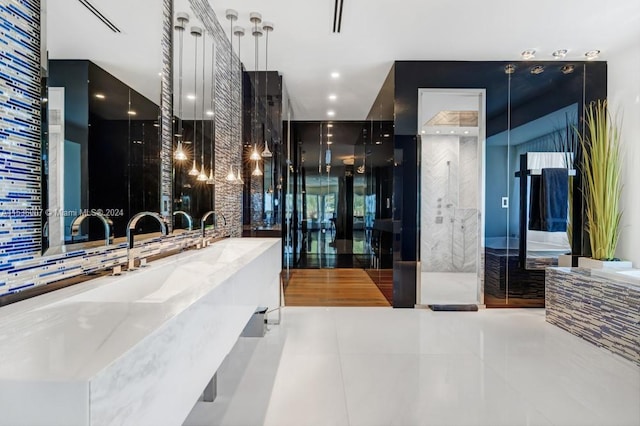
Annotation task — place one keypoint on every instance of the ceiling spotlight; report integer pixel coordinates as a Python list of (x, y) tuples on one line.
[(452, 131), (191, 97), (423, 132), (329, 143), (509, 69), (130, 112), (592, 54), (386, 135), (528, 54), (378, 142), (329, 125), (332, 97), (209, 113), (99, 95), (329, 135), (567, 69), (538, 69), (559, 54), (466, 132), (335, 75), (331, 113), (438, 132)]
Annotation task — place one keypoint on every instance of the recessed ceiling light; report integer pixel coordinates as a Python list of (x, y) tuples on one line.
[(191, 97), (538, 69), (466, 132), (335, 74), (560, 53), (386, 135), (329, 135), (329, 125), (378, 142), (423, 132), (99, 95), (452, 131), (209, 113), (592, 54), (130, 112), (329, 143), (528, 54), (45, 100), (509, 69), (332, 97), (331, 113), (567, 69), (160, 74), (438, 131)]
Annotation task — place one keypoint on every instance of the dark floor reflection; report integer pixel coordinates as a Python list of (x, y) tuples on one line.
[(322, 250)]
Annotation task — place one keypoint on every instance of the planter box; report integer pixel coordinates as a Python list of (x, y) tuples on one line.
[(587, 262), (568, 260)]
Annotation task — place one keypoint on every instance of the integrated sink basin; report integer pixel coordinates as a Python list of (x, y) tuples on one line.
[(115, 350)]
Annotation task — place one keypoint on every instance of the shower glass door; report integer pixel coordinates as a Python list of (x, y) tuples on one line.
[(451, 126)]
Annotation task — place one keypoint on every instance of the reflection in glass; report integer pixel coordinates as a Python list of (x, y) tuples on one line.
[(451, 128)]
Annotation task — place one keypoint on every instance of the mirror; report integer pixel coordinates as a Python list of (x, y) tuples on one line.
[(544, 101), (102, 159)]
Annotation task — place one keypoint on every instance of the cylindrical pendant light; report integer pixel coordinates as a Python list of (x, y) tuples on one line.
[(255, 18), (267, 28), (211, 180), (257, 171), (202, 176), (180, 27), (196, 32)]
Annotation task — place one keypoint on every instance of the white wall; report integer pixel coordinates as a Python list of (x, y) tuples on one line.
[(624, 94)]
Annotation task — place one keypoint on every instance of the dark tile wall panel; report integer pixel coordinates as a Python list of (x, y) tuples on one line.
[(228, 143), (166, 107)]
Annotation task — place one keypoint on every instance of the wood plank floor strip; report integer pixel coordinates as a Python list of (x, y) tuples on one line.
[(332, 287)]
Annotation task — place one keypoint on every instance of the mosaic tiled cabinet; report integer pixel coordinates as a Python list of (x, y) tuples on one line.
[(604, 311)]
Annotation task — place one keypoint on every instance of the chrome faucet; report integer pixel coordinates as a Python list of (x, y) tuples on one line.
[(131, 226), (108, 224), (186, 215), (215, 215)]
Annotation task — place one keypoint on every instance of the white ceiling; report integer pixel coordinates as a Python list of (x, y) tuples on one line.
[(374, 34)]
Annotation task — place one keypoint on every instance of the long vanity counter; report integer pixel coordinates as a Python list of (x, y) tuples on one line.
[(600, 306), (133, 349)]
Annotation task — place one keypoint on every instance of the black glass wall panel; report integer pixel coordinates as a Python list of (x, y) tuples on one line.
[(515, 104)]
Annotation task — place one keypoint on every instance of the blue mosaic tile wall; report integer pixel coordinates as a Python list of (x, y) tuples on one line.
[(20, 234), (603, 312), (33, 271)]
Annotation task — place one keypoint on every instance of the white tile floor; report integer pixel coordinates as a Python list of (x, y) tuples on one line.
[(448, 288), (380, 366)]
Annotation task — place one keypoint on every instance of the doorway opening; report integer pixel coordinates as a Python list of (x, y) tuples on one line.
[(452, 134), (342, 175)]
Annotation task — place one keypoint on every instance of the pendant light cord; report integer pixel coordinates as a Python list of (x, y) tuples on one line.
[(204, 33), (195, 104), (255, 92)]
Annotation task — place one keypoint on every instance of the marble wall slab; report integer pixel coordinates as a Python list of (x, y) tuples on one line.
[(449, 201)]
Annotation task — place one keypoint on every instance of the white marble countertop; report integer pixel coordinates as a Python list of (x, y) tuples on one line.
[(77, 333)]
